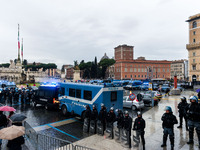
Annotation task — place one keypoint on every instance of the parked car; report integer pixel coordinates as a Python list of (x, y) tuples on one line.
[(179, 87), (144, 86), (155, 86), (165, 87), (156, 94), (134, 105), (147, 97), (133, 85)]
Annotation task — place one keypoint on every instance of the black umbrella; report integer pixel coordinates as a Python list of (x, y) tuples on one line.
[(17, 118)]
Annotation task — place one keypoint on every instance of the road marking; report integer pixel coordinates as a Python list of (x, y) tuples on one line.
[(63, 132), (55, 124)]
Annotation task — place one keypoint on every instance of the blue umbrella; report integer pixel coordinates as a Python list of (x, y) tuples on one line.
[(198, 90)]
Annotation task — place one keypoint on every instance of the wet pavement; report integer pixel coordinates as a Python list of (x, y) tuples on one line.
[(153, 131), (54, 124)]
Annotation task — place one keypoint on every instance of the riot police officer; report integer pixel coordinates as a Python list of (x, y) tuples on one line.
[(111, 118), (86, 124), (127, 127), (183, 107), (93, 119), (139, 127), (193, 119), (102, 118), (120, 121), (168, 125)]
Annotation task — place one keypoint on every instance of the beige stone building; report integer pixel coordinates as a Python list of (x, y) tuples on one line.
[(179, 68), (194, 48)]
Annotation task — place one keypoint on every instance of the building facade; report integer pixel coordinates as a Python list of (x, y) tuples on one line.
[(180, 69), (194, 48), (126, 67)]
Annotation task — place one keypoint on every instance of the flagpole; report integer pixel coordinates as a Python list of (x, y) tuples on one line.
[(22, 53), (18, 45)]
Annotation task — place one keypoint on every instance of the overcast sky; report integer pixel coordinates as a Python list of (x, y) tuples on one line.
[(62, 31)]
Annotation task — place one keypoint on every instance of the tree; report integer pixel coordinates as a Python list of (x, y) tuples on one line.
[(104, 64), (25, 62)]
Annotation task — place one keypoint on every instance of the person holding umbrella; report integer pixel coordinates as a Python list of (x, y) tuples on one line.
[(16, 143), (3, 123)]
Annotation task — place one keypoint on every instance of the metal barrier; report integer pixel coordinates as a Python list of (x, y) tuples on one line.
[(78, 147), (45, 142)]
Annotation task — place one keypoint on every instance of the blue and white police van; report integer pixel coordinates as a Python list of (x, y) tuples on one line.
[(75, 96)]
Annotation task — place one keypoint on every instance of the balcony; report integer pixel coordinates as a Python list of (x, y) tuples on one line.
[(193, 46)]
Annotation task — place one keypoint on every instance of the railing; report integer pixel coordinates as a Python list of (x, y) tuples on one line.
[(44, 142)]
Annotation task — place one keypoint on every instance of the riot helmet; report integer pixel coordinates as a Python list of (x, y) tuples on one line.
[(193, 99), (183, 99), (168, 108)]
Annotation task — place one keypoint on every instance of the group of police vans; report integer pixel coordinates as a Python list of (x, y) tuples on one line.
[(72, 98)]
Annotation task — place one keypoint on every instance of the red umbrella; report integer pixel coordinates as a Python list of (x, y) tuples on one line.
[(7, 108)]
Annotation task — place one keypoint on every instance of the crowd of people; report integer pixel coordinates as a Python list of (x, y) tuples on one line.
[(13, 95), (5, 121), (95, 122)]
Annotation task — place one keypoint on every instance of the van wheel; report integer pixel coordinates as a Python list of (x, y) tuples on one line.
[(134, 108), (64, 110)]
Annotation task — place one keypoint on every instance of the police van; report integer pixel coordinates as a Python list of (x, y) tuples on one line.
[(47, 95), (75, 96)]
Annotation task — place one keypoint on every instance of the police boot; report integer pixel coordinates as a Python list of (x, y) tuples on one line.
[(190, 137), (164, 141)]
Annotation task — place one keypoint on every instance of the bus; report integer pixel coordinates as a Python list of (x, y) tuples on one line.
[(74, 97)]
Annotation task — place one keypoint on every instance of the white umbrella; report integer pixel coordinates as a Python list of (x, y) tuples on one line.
[(12, 132)]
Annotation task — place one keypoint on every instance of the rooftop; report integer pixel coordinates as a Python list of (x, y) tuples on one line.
[(194, 17)]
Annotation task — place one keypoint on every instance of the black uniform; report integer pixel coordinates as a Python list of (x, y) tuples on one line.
[(194, 121), (183, 108), (127, 128), (93, 120), (139, 126), (111, 118), (120, 122), (168, 125), (102, 118), (87, 114)]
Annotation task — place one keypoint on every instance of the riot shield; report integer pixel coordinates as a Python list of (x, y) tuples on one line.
[(125, 138), (86, 125), (136, 138), (93, 126), (109, 130), (100, 128), (118, 133)]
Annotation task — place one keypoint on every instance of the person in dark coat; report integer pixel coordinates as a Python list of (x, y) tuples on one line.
[(87, 114), (169, 120), (193, 114), (102, 116), (16, 144), (127, 127), (3, 123), (120, 121), (93, 118), (139, 127), (183, 107), (111, 118)]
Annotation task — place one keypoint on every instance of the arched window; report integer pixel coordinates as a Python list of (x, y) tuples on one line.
[(194, 24)]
